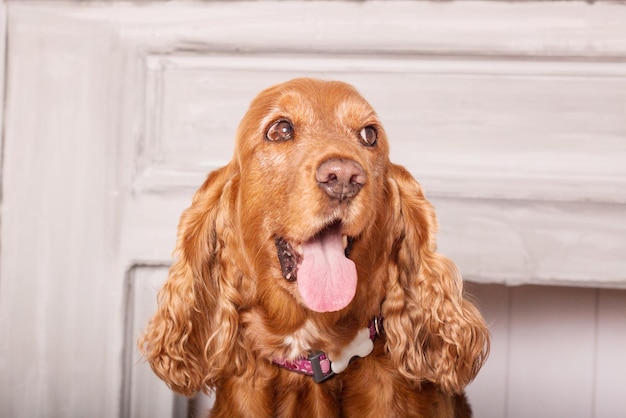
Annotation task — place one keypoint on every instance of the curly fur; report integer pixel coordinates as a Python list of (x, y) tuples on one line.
[(226, 312)]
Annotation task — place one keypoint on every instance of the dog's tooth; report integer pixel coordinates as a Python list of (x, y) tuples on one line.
[(344, 238), (299, 249)]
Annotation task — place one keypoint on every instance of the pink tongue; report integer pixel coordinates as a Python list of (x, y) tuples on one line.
[(326, 278)]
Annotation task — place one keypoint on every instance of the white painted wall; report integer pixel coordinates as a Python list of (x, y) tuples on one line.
[(510, 114), (556, 352)]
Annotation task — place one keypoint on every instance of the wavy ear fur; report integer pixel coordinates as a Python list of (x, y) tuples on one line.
[(433, 333), (193, 338)]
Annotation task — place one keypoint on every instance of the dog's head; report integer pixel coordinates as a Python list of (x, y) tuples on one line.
[(309, 232), (312, 158)]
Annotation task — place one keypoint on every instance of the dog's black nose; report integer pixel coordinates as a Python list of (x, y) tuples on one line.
[(340, 178)]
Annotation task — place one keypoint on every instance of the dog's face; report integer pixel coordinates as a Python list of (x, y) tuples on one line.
[(313, 158)]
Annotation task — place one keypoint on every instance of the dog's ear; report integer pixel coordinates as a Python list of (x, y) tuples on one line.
[(192, 340), (433, 333)]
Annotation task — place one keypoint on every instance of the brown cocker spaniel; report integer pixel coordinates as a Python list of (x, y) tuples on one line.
[(308, 249)]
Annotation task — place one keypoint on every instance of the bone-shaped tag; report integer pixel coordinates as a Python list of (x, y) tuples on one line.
[(360, 346)]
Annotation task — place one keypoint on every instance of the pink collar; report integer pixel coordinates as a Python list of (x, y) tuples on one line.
[(318, 365)]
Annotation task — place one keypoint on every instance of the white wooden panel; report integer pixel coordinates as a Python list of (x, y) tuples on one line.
[(468, 28), (144, 394), (556, 351), (517, 242), (552, 345), (147, 396), (465, 128), (488, 392), (3, 32), (62, 287), (611, 355)]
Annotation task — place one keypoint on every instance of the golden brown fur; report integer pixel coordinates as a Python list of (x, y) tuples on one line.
[(226, 311)]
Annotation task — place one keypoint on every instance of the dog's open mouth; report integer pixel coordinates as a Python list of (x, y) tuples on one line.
[(326, 277)]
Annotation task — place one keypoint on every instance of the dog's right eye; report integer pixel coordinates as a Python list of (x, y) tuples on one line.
[(369, 135), (279, 131)]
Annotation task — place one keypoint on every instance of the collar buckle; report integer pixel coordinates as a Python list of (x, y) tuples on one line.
[(319, 363)]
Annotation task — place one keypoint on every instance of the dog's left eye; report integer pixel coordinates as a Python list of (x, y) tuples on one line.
[(369, 135), (281, 130)]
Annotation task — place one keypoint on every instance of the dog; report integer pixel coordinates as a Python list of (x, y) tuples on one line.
[(306, 280)]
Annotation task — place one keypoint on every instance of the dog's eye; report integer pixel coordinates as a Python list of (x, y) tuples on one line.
[(281, 130), (369, 135)]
